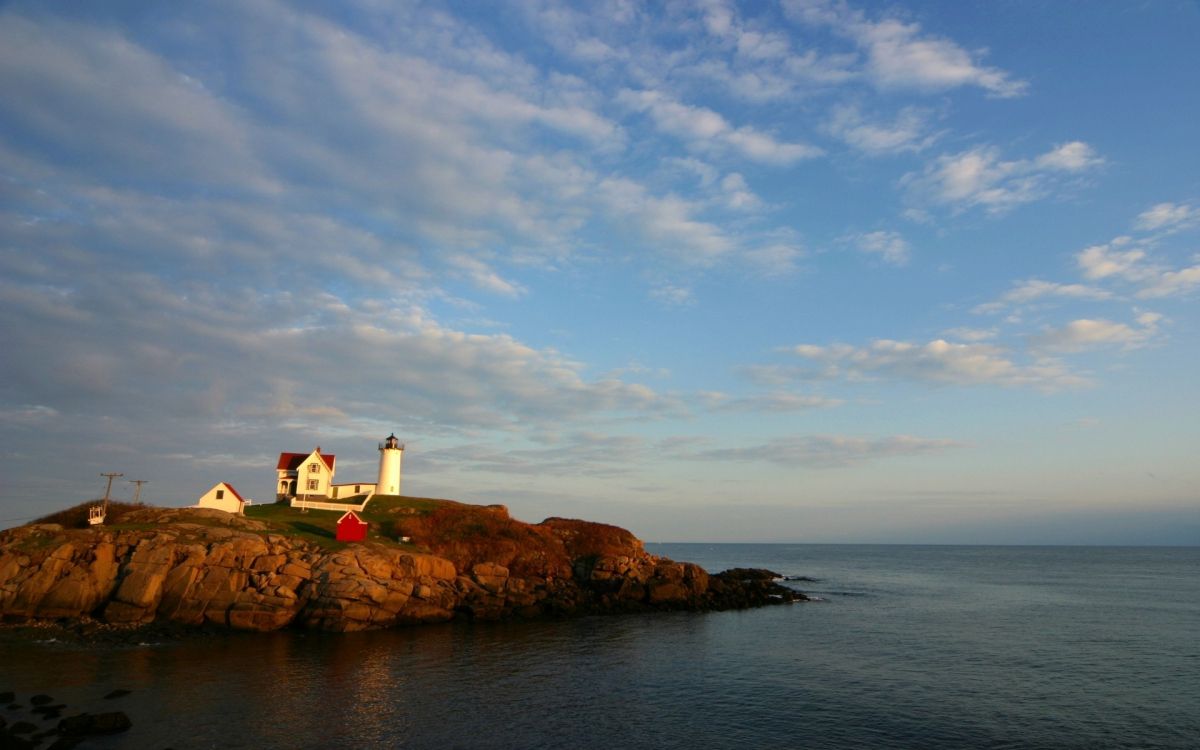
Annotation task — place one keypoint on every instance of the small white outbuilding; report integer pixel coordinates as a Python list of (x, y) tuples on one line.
[(223, 497)]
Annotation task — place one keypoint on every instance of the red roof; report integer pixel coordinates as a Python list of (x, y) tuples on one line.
[(236, 494), (292, 461), (352, 517)]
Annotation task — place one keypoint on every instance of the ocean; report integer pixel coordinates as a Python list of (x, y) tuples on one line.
[(908, 647)]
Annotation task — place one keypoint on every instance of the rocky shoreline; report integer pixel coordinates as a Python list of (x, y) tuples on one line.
[(202, 568)]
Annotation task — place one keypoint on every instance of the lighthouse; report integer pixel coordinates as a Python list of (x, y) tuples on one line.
[(391, 451)]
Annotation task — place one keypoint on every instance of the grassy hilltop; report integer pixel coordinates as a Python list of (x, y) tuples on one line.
[(463, 533)]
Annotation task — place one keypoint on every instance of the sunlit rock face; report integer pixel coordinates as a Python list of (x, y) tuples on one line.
[(196, 567)]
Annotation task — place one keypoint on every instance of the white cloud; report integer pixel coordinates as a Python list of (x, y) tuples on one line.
[(1024, 292), (1103, 261), (937, 361), (144, 119), (149, 348), (1168, 216), (667, 221), (774, 258), (980, 177), (889, 246), (1075, 156), (901, 55), (482, 276), (28, 415), (702, 127), (581, 453), (908, 132), (1134, 266), (738, 194), (1171, 283), (827, 451), (971, 334), (1084, 334), (770, 403), (673, 294)]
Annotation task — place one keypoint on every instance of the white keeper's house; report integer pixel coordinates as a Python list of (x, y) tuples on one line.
[(310, 475)]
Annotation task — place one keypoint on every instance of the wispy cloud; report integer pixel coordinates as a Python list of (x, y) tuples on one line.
[(582, 453), (938, 361), (773, 403), (1031, 290), (890, 246), (1084, 334), (902, 55), (673, 294), (980, 177), (1169, 216), (909, 131), (705, 129), (1134, 266), (827, 451)]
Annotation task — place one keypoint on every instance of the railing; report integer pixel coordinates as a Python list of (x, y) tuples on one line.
[(319, 505)]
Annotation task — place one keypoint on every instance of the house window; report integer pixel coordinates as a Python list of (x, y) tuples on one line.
[(356, 489), (220, 494), (314, 468), (313, 484)]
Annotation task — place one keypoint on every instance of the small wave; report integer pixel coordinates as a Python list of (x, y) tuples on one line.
[(805, 579), (845, 593)]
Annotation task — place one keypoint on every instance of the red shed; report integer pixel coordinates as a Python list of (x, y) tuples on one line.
[(351, 528)]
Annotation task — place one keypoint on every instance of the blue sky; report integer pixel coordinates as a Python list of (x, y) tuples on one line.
[(794, 271)]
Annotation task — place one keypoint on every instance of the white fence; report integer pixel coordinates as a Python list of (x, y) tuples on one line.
[(318, 505)]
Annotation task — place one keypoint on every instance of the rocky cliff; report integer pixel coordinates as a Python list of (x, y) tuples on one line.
[(204, 567)]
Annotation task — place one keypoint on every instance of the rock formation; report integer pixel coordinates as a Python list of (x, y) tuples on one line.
[(203, 567)]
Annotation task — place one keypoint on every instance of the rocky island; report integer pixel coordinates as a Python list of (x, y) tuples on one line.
[(424, 561)]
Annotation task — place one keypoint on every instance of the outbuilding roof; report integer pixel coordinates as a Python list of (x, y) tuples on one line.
[(236, 494), (292, 461)]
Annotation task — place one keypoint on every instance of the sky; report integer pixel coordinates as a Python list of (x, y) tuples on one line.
[(780, 271)]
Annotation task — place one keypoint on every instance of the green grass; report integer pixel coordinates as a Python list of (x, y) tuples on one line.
[(320, 526)]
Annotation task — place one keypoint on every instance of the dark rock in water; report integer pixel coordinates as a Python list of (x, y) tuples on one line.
[(741, 588), (65, 743), (805, 579), (750, 574), (44, 710), (85, 725), (13, 742), (41, 700), (8, 696), (13, 706), (22, 727), (118, 693)]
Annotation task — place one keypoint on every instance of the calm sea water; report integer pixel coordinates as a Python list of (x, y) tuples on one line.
[(911, 647)]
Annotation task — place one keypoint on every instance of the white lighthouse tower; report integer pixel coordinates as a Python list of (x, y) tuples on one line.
[(391, 451)]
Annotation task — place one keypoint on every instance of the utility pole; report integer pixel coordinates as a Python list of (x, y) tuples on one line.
[(138, 491), (108, 489)]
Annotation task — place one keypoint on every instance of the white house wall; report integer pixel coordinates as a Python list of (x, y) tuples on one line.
[(228, 503), (313, 477), (350, 490)]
